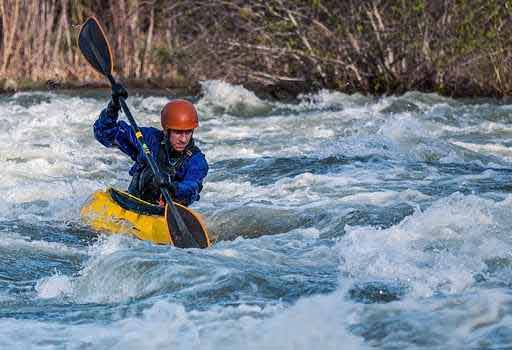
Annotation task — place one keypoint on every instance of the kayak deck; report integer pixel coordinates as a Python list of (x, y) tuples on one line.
[(117, 212)]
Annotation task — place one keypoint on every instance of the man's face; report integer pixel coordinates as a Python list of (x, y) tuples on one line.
[(179, 139)]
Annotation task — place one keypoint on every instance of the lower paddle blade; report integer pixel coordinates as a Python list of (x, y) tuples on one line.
[(94, 46), (198, 237)]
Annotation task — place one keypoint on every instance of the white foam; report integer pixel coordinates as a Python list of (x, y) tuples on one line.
[(54, 159), (154, 104), (404, 128), (232, 99), (307, 188), (491, 149), (229, 152), (439, 250), (319, 321), (416, 139), (483, 128), (326, 99), (54, 286), (14, 241), (102, 279), (226, 190), (457, 322), (316, 322), (385, 197)]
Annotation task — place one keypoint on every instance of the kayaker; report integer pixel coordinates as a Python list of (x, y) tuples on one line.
[(181, 162)]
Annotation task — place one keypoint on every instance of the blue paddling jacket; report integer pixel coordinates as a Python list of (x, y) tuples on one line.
[(186, 169)]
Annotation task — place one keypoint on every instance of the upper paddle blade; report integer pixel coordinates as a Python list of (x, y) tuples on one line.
[(95, 47), (198, 237)]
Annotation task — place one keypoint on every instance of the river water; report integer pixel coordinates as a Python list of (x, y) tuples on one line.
[(342, 222)]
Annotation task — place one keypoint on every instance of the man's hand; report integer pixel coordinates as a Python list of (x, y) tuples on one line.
[(118, 91), (165, 181)]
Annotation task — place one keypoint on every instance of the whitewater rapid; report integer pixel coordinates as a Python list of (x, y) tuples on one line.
[(342, 221)]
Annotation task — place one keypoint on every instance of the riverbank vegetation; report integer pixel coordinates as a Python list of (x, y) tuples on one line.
[(280, 47)]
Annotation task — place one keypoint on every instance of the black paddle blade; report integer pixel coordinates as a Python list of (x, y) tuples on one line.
[(94, 46), (198, 237)]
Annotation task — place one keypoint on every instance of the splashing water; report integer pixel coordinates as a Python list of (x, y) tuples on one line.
[(342, 221)]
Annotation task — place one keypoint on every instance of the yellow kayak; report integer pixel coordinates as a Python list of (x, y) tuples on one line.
[(117, 212)]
